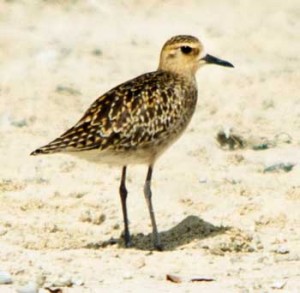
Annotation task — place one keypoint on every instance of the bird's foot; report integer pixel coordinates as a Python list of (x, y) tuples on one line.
[(127, 240), (158, 246)]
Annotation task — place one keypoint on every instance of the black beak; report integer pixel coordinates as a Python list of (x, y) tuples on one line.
[(214, 60)]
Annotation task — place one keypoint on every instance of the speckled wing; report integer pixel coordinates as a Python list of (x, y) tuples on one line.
[(130, 115)]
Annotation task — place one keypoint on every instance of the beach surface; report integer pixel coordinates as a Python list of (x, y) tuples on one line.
[(228, 209)]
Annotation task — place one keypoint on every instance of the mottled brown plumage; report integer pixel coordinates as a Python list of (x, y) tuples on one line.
[(137, 115), (138, 120)]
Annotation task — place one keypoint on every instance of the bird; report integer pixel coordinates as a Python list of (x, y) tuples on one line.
[(138, 120)]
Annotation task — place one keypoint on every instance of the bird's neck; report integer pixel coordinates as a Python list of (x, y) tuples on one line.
[(188, 76)]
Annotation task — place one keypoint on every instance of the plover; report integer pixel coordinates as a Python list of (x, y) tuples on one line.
[(135, 122)]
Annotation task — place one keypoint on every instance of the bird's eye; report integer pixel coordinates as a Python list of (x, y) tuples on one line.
[(186, 49)]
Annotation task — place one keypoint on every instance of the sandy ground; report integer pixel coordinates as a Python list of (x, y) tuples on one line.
[(220, 215)]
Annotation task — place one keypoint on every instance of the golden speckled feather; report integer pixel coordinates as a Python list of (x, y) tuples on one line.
[(142, 111)]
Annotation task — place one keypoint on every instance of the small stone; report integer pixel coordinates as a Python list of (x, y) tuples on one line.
[(41, 279), (282, 250), (53, 290), (86, 216), (227, 138), (98, 219), (261, 146), (259, 246), (250, 249), (257, 286), (278, 285), (94, 218), (286, 167), (20, 123), (203, 180), (63, 281), (127, 276), (201, 279), (173, 278), (116, 227), (30, 287), (51, 228), (5, 278), (97, 52), (62, 89), (77, 282), (3, 231)]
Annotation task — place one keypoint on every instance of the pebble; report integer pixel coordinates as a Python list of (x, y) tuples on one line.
[(203, 180), (86, 216), (261, 146), (41, 279), (3, 231), (77, 282), (62, 281), (20, 123), (127, 276), (97, 52), (5, 278), (30, 287), (286, 167), (94, 218), (282, 250), (67, 90), (98, 219), (173, 278), (278, 285)]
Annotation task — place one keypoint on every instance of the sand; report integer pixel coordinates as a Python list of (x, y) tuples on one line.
[(227, 215)]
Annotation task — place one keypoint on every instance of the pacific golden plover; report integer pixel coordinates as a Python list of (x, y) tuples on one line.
[(135, 122)]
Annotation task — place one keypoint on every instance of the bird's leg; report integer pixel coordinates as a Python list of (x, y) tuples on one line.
[(123, 195), (148, 195)]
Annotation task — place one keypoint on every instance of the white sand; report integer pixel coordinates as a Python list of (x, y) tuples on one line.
[(51, 207)]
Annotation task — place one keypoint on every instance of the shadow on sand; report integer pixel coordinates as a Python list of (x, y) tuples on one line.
[(189, 229)]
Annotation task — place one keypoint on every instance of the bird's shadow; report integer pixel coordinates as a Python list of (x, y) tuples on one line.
[(189, 229)]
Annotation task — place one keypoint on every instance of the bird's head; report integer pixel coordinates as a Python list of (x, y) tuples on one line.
[(185, 54)]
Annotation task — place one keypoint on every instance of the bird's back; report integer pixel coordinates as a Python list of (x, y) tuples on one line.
[(142, 113)]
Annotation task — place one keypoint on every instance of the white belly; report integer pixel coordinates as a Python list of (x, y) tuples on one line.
[(147, 155)]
